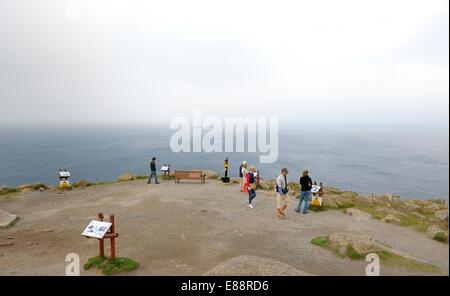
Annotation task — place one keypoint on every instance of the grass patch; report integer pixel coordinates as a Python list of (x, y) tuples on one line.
[(167, 177), (321, 241), (345, 205), (397, 260), (440, 237), (386, 257), (109, 267), (353, 254), (8, 194), (324, 242)]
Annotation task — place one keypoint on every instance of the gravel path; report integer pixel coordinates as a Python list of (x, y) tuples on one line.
[(187, 229)]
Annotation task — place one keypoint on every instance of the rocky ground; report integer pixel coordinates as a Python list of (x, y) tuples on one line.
[(195, 229)]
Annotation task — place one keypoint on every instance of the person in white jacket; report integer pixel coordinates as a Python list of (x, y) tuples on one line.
[(282, 193)]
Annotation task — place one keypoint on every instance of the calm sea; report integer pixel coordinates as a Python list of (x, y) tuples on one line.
[(411, 162)]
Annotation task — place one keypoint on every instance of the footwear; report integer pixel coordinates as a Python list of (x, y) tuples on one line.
[(297, 210), (250, 206), (305, 212)]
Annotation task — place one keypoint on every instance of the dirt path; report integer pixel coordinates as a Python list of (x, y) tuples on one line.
[(187, 229)]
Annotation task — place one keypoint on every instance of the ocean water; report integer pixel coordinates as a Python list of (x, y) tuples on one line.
[(411, 162)]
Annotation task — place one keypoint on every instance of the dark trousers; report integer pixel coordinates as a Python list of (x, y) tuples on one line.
[(251, 195)]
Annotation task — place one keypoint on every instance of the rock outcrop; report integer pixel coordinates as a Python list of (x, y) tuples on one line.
[(6, 219), (358, 215), (361, 243), (126, 177), (390, 218), (254, 266), (441, 215)]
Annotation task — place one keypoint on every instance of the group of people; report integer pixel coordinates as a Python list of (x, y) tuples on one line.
[(247, 176), (283, 197)]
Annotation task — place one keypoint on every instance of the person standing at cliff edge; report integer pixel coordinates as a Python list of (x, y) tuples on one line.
[(305, 194), (153, 171), (282, 193)]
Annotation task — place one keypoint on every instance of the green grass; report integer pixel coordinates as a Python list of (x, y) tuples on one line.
[(440, 237), (109, 267), (353, 254), (397, 260), (386, 257), (8, 194), (321, 241)]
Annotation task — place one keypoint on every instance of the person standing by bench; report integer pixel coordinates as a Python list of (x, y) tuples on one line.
[(251, 186), (153, 171)]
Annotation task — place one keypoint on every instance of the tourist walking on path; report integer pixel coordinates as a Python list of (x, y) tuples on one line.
[(251, 186), (153, 171), (243, 176), (282, 194), (305, 193)]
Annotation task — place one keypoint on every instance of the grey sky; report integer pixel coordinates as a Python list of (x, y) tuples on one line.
[(331, 62)]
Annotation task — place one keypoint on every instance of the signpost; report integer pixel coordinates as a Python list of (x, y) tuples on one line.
[(102, 230)]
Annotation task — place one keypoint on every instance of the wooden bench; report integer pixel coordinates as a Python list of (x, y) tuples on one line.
[(190, 175)]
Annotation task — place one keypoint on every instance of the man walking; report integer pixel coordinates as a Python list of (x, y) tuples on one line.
[(305, 194), (282, 194), (153, 171)]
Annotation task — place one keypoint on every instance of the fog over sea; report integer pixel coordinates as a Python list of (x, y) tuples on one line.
[(411, 162)]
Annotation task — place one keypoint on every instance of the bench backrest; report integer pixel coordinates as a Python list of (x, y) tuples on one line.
[(189, 174)]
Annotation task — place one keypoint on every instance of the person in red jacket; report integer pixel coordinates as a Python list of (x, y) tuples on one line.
[(250, 184)]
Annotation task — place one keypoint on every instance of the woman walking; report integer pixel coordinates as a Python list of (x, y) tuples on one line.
[(251, 186), (306, 185)]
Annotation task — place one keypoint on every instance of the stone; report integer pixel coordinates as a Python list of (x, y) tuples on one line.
[(246, 265), (434, 229), (410, 205), (358, 215), (433, 206), (329, 202), (361, 243), (441, 215), (126, 177), (390, 219), (32, 186), (438, 200), (420, 216), (392, 197), (83, 184), (6, 219)]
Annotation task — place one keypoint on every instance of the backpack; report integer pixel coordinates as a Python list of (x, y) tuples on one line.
[(240, 172)]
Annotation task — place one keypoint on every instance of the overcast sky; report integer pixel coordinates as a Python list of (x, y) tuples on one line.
[(330, 62)]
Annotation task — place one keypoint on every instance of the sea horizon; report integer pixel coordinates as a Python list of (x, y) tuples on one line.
[(409, 161)]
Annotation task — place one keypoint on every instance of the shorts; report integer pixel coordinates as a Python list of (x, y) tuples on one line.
[(282, 200)]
